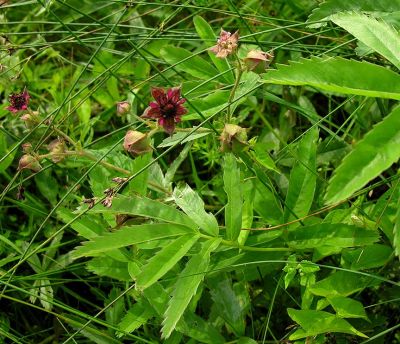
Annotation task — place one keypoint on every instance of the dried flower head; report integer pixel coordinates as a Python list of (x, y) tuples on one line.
[(18, 101), (136, 143), (167, 108), (90, 202), (258, 61), (57, 149), (226, 44), (29, 162), (233, 138), (123, 108)]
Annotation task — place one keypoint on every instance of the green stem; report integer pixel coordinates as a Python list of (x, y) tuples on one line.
[(239, 73)]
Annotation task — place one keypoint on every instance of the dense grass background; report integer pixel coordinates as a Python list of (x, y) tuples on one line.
[(292, 235)]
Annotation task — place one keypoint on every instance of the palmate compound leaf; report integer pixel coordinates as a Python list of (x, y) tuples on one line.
[(130, 236), (186, 286), (374, 33), (338, 75), (331, 7), (377, 151)]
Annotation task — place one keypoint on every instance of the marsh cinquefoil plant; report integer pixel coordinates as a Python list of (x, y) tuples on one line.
[(257, 202)]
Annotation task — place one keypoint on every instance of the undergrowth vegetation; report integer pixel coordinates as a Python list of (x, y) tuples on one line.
[(199, 171)]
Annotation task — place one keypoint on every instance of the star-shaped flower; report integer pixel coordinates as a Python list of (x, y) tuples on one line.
[(18, 101), (167, 108), (226, 44)]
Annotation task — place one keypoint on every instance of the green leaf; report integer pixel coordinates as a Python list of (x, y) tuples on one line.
[(233, 189), (374, 33), (136, 316), (317, 322), (343, 283), (191, 203), (142, 206), (379, 149), (206, 33), (335, 74), (106, 266), (369, 257), (347, 308), (327, 234), (331, 7), (303, 178), (263, 158), (164, 261), (177, 137), (130, 236), (185, 61), (227, 304), (396, 228), (186, 286)]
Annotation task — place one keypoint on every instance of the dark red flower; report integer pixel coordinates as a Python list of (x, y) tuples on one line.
[(18, 101), (167, 108)]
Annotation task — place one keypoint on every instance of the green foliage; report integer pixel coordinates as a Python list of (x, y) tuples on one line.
[(338, 75), (287, 229), (376, 34), (371, 156)]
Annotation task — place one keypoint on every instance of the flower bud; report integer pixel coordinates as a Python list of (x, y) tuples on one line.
[(136, 143), (30, 119), (29, 162), (258, 61), (26, 147), (233, 138), (123, 108), (57, 149)]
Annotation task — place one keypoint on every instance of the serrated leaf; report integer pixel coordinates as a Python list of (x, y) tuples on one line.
[(379, 149), (186, 286), (303, 178), (317, 322), (331, 7), (227, 304), (326, 234), (233, 189), (347, 308), (191, 203), (164, 260), (136, 316), (130, 236), (343, 283), (335, 74), (142, 206), (206, 33), (185, 61), (376, 34)]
